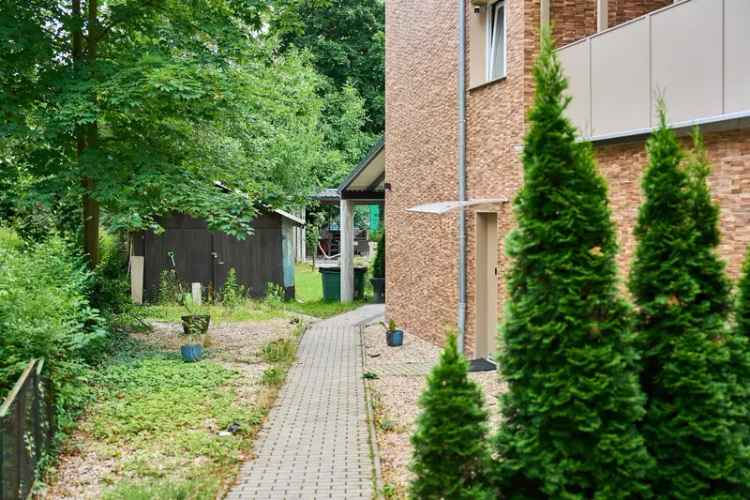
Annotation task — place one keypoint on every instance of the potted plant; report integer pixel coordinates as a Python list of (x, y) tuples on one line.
[(194, 327), (393, 336), (378, 271)]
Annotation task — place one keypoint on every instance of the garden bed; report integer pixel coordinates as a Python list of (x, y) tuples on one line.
[(162, 428), (401, 376)]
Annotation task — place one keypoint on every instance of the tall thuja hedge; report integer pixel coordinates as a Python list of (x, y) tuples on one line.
[(573, 400), (714, 297), (451, 455), (682, 297)]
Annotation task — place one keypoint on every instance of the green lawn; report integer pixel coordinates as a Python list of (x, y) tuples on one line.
[(309, 295), (309, 301), (250, 310)]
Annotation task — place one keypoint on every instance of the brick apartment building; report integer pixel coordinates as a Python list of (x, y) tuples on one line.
[(618, 55)]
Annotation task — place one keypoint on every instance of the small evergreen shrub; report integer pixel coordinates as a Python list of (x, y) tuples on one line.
[(378, 264), (233, 293), (573, 401), (682, 295), (451, 455)]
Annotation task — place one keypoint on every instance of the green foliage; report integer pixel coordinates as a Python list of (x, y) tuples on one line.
[(170, 288), (275, 294), (739, 344), (451, 456), (233, 293), (347, 43), (273, 376), (573, 400), (682, 296), (200, 488), (742, 311), (110, 290), (279, 351), (378, 264), (45, 311)]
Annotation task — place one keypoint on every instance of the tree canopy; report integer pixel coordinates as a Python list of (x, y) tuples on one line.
[(347, 42), (140, 106)]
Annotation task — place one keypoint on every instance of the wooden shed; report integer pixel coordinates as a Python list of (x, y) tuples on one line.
[(200, 255)]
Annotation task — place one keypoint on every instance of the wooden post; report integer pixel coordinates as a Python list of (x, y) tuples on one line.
[(347, 251), (136, 279), (197, 294)]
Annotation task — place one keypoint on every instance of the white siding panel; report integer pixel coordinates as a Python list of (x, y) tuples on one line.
[(737, 62), (575, 63), (687, 59), (620, 79)]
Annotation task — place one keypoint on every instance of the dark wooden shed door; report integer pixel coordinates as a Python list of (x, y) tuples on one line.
[(256, 260)]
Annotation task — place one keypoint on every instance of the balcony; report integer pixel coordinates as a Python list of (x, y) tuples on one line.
[(694, 54)]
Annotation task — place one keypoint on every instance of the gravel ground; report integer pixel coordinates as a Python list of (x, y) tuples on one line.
[(85, 467), (395, 395)]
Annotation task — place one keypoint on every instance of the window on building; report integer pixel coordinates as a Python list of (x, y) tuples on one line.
[(496, 40)]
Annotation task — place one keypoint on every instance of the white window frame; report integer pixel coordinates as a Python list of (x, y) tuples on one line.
[(491, 23)]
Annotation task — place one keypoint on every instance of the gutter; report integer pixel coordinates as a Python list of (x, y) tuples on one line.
[(461, 322)]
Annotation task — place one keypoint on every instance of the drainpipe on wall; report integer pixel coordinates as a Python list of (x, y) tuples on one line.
[(461, 173)]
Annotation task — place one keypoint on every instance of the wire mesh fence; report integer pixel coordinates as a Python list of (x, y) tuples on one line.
[(26, 430)]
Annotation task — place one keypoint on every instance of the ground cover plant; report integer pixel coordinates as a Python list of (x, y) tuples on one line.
[(573, 400), (682, 297), (162, 428)]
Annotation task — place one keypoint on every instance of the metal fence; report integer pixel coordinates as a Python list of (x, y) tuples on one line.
[(26, 430)]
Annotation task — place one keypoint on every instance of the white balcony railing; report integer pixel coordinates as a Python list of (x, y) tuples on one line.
[(695, 54)]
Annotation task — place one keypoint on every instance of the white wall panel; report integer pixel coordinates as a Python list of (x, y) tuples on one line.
[(620, 79), (575, 62), (687, 59), (737, 56)]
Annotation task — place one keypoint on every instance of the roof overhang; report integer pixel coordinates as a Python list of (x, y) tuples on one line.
[(367, 180), (443, 207)]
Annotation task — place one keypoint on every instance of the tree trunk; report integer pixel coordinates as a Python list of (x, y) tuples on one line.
[(90, 205)]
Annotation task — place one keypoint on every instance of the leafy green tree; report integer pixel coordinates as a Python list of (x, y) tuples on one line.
[(573, 401), (682, 297), (378, 264), (137, 107), (451, 456), (347, 42)]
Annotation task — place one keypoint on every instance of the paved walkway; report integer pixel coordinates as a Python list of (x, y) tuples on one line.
[(315, 442)]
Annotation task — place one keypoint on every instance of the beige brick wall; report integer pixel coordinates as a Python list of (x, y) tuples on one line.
[(421, 150), (623, 165), (421, 153), (576, 19)]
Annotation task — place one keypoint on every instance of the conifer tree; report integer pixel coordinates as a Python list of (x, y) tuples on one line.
[(573, 401), (678, 284), (742, 311), (451, 455)]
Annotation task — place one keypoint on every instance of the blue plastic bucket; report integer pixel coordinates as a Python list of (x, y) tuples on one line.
[(394, 338), (191, 352)]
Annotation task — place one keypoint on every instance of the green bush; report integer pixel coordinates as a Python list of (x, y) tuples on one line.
[(233, 293), (682, 297), (378, 264), (110, 290), (170, 288), (45, 311), (451, 456), (573, 400), (279, 351)]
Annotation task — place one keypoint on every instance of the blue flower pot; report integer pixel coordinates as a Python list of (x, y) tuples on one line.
[(191, 352), (394, 338)]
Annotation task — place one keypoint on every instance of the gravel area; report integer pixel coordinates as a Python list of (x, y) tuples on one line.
[(395, 394), (86, 468)]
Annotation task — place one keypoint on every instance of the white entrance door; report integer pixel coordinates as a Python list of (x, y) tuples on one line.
[(486, 284)]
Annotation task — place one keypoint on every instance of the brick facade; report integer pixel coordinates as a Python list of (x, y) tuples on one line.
[(421, 140)]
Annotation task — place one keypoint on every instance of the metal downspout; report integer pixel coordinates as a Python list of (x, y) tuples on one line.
[(461, 173)]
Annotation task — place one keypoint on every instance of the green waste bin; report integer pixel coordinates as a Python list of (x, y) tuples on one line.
[(331, 277)]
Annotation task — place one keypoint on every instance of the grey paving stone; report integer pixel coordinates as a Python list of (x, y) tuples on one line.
[(315, 443)]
